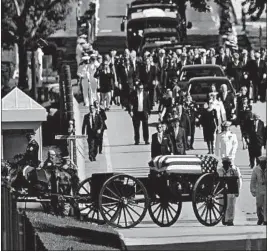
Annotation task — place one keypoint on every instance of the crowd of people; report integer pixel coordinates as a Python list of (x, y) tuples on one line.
[(138, 83)]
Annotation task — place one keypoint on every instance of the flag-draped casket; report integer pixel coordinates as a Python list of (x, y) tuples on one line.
[(184, 164)]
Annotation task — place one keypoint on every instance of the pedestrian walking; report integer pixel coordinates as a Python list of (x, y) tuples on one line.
[(244, 115), (101, 111), (140, 110), (258, 189), (191, 110), (229, 170), (178, 137), (255, 138), (209, 122), (106, 78), (161, 143), (83, 74), (228, 143), (92, 126), (228, 101), (235, 71)]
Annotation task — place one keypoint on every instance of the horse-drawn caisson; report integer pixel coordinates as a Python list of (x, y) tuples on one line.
[(122, 201)]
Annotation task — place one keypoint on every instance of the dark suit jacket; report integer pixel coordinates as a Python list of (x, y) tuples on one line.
[(180, 64), (179, 141), (134, 103), (127, 78), (185, 123), (147, 78), (255, 72), (222, 62), (31, 154), (256, 139), (164, 148), (228, 103), (98, 124), (197, 60)]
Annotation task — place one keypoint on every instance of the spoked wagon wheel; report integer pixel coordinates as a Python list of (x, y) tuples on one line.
[(88, 209), (163, 212), (123, 201), (209, 200)]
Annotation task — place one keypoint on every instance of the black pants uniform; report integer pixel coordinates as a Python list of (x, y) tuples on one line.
[(192, 132), (137, 118), (254, 152), (100, 141), (93, 146)]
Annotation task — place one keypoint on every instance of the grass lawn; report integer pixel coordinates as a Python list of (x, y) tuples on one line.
[(65, 233)]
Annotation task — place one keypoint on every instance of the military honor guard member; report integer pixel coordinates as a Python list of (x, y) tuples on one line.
[(228, 143), (258, 189), (31, 153), (229, 170)]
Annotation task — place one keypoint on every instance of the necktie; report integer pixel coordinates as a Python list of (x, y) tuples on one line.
[(92, 120)]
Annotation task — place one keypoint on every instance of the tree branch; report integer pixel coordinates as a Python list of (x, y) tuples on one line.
[(17, 7)]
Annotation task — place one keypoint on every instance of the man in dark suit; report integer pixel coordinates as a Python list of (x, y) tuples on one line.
[(184, 61), (31, 153), (185, 123), (227, 99), (197, 58), (160, 72), (222, 59), (92, 125), (147, 75), (140, 109), (161, 143), (178, 137), (255, 138), (257, 73), (127, 77)]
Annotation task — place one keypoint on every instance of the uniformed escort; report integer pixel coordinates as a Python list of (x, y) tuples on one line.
[(227, 142), (50, 167), (258, 189), (31, 153), (228, 170), (190, 108)]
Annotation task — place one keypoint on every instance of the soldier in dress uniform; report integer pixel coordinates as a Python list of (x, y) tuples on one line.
[(190, 108), (229, 170), (50, 167), (31, 154), (258, 189), (227, 142)]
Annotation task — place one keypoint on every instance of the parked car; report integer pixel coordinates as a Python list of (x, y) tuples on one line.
[(191, 71), (199, 88)]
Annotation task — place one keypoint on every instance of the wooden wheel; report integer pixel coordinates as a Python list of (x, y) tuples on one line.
[(88, 209), (123, 201), (209, 200), (163, 212)]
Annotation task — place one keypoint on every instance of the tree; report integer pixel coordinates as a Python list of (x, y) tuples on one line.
[(26, 21), (256, 8)]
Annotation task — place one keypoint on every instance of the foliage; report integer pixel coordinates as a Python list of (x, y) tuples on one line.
[(256, 8), (26, 21), (32, 19)]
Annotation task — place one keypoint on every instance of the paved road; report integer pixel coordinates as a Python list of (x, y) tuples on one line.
[(120, 155)]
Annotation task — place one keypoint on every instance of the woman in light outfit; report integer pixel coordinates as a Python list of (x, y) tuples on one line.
[(221, 116)]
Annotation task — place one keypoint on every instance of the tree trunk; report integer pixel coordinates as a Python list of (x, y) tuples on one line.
[(23, 64)]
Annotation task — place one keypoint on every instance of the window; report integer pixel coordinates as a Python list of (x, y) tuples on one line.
[(195, 72), (205, 87)]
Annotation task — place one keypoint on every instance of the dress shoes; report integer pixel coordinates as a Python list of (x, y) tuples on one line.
[(136, 143), (229, 223), (265, 223), (90, 158), (260, 222), (224, 223), (93, 159), (147, 143)]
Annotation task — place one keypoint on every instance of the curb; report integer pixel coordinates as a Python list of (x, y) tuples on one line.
[(256, 244)]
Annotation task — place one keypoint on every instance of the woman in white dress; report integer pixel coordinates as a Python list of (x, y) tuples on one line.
[(93, 81)]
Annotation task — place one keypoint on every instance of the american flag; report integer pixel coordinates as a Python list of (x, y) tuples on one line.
[(184, 164)]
